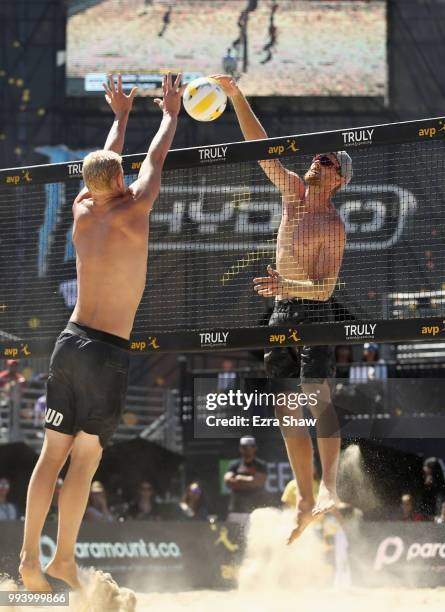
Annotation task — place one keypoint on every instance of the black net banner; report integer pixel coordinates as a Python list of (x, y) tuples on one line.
[(214, 228)]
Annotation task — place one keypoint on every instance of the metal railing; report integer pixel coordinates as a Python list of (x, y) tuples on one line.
[(151, 412)]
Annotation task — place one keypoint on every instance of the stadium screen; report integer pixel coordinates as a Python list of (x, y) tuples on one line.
[(274, 47)]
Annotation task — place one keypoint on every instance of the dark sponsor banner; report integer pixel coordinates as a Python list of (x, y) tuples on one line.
[(145, 555), (356, 332), (397, 554), (272, 148)]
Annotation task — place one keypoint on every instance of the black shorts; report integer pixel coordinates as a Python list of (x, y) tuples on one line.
[(316, 363), (87, 382)]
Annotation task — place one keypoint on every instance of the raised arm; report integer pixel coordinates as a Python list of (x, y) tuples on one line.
[(121, 105), (146, 188), (289, 183)]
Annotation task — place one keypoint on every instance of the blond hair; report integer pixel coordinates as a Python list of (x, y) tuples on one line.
[(100, 168)]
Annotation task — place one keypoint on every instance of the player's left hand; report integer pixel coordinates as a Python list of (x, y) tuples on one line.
[(269, 286), (120, 103), (228, 83)]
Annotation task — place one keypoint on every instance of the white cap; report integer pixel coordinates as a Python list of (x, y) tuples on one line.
[(247, 441), (345, 165)]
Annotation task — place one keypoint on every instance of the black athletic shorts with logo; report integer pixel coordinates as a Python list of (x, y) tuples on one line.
[(314, 363), (87, 382)]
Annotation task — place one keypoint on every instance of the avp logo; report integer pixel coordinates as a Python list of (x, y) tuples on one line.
[(53, 417), (433, 330), (213, 338), (280, 149), (15, 179), (141, 345), (430, 132), (357, 137), (224, 539), (209, 154), (281, 338)]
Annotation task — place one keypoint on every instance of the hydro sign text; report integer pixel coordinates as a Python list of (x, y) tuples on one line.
[(365, 210), (246, 211)]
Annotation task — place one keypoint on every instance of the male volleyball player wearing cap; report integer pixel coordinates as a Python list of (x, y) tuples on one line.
[(310, 244), (89, 366)]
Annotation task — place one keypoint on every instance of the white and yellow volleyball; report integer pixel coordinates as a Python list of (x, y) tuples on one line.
[(204, 99)]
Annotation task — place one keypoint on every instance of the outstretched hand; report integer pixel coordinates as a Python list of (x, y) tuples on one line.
[(120, 103), (228, 83), (269, 286), (171, 102)]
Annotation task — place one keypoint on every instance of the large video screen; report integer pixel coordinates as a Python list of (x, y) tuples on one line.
[(273, 47)]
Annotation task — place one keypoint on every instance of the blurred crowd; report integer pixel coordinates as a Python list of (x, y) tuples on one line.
[(245, 480)]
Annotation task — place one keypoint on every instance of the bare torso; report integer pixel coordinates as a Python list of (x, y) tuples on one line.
[(310, 243), (111, 256)]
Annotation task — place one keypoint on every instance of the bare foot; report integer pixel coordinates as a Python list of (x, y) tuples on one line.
[(303, 518), (32, 576), (64, 570), (327, 500)]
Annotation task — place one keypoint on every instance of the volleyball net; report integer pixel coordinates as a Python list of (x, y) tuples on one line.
[(214, 228)]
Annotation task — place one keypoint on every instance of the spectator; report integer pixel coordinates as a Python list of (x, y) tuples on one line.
[(433, 488), (8, 512), (11, 374), (230, 63), (97, 509), (165, 21), (372, 367), (407, 512), (343, 358), (246, 479), (145, 506), (227, 378), (39, 411), (440, 518), (192, 505), (53, 513)]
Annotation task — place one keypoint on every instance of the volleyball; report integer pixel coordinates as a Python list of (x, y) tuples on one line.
[(204, 99)]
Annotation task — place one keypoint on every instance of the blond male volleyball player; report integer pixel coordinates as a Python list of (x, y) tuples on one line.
[(310, 244), (89, 366)]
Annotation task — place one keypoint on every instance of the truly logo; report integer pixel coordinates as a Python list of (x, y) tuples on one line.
[(360, 330), (358, 137), (209, 154), (213, 338), (75, 169)]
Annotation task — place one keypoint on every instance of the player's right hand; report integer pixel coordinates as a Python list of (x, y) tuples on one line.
[(119, 101), (171, 102), (228, 83)]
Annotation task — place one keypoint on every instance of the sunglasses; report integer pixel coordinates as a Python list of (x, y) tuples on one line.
[(325, 161)]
